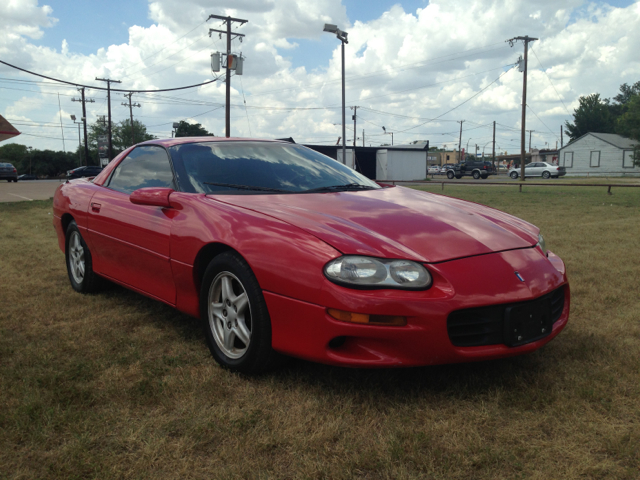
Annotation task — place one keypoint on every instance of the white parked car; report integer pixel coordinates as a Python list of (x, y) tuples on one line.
[(433, 170), (539, 169)]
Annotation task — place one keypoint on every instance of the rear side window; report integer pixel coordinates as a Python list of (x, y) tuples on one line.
[(146, 166)]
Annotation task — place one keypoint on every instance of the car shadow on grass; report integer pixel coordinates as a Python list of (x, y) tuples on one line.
[(512, 378)]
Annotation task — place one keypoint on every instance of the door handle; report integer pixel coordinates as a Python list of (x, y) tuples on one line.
[(95, 207)]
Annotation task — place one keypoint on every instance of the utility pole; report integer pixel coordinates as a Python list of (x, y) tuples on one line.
[(227, 80), (84, 114), (561, 138), (493, 154), (108, 80), (131, 105), (526, 39), (363, 137), (530, 131), (355, 113), (460, 142)]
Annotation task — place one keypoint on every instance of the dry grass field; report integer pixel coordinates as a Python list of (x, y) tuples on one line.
[(114, 385)]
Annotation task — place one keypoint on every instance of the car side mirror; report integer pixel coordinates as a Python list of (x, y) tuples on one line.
[(153, 196)]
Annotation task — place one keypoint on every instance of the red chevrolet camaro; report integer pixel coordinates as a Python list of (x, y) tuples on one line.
[(283, 251)]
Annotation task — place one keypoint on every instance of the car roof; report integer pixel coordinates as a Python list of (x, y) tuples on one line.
[(170, 142)]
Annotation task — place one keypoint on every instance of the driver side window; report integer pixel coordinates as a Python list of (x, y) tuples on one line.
[(146, 166)]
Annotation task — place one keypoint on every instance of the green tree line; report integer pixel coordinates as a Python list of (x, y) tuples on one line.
[(620, 114)]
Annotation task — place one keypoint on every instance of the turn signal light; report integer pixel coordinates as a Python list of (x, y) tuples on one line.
[(365, 319)]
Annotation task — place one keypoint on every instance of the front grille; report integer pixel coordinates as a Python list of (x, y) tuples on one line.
[(486, 325), (556, 299)]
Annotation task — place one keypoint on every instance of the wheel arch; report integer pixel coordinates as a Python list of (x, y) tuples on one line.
[(203, 258), (65, 220)]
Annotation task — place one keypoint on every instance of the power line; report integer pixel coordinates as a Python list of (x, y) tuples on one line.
[(542, 122), (102, 88), (549, 78), (457, 106)]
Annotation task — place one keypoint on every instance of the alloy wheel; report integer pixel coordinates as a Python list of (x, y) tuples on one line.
[(230, 315), (76, 257)]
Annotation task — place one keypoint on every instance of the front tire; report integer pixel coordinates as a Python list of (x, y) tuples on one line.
[(79, 263), (513, 175), (476, 175), (450, 175), (235, 317)]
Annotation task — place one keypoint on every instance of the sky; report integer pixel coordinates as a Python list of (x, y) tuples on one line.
[(416, 67)]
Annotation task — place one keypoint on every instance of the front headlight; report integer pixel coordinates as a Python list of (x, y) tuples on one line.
[(368, 272), (541, 243)]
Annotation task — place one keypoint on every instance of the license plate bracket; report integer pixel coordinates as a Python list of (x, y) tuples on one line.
[(527, 322)]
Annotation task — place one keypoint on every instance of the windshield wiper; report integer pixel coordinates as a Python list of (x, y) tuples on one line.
[(247, 187), (338, 188)]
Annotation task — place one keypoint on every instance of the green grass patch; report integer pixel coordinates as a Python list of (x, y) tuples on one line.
[(115, 385)]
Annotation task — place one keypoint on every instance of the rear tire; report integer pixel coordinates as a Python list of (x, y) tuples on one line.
[(235, 317), (546, 174), (79, 263)]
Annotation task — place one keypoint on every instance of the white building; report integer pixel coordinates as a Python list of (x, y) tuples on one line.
[(599, 154)]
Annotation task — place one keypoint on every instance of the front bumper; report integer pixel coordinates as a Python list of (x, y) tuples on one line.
[(305, 330)]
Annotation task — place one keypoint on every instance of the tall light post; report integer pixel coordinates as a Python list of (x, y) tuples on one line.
[(388, 133), (342, 36), (466, 150), (81, 122), (491, 141), (29, 148)]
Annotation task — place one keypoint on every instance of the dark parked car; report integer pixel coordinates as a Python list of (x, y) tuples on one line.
[(477, 169), (89, 171), (27, 176), (8, 172)]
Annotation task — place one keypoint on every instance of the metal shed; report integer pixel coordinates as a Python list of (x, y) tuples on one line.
[(389, 162)]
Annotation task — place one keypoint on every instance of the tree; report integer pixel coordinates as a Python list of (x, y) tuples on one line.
[(192, 130), (592, 115), (628, 124), (16, 154), (42, 162), (120, 137), (122, 134)]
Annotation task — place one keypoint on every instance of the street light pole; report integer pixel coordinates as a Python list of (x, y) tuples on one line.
[(83, 120), (342, 36), (388, 133), (29, 148)]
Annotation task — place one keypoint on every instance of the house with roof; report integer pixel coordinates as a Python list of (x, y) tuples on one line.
[(599, 154)]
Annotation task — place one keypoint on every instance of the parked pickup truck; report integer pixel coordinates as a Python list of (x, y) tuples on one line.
[(477, 169)]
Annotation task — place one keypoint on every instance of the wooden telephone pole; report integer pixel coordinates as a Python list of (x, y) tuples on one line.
[(109, 81), (131, 105), (227, 80), (526, 39), (84, 115)]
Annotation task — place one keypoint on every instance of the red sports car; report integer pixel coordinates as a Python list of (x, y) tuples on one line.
[(283, 251)]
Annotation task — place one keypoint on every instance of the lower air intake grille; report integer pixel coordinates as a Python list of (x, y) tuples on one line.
[(493, 325)]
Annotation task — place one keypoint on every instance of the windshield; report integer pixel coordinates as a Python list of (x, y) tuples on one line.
[(259, 168)]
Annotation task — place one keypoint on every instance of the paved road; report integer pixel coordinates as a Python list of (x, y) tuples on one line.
[(27, 190)]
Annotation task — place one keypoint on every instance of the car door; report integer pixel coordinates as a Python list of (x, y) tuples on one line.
[(131, 242), (537, 169), (529, 170)]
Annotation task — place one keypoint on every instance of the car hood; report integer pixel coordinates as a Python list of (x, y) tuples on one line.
[(395, 222)]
